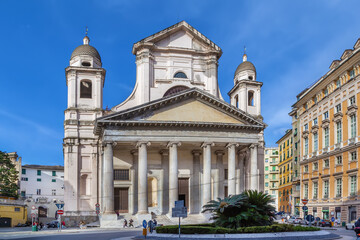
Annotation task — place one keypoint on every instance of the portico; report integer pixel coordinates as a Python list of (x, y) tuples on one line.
[(175, 149)]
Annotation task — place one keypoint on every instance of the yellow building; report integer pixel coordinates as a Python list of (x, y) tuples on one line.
[(271, 179), (285, 172), (11, 214), (328, 120)]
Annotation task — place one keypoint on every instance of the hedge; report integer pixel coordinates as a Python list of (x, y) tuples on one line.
[(211, 229)]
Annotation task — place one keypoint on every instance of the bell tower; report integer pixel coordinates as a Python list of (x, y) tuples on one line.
[(85, 80), (246, 93)]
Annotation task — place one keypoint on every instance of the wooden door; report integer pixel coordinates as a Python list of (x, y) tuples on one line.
[(184, 191), (121, 200)]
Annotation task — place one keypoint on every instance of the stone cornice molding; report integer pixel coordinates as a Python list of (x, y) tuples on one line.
[(325, 123), (170, 144), (205, 144), (138, 144), (231, 144), (338, 117), (305, 133), (220, 152), (196, 152), (113, 144), (351, 110), (315, 129)]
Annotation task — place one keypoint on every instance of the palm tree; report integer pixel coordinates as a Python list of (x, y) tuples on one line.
[(250, 208)]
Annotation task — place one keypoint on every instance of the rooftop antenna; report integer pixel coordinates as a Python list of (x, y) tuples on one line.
[(86, 31), (244, 49)]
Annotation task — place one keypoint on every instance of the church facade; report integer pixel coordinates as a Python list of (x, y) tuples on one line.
[(174, 138)]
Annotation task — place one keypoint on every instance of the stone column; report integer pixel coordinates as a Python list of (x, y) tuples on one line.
[(253, 168), (240, 184), (195, 183), (206, 183), (231, 168), (142, 178), (165, 184), (173, 174), (108, 179), (219, 179), (134, 182)]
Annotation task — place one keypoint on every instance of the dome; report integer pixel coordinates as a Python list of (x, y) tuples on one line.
[(245, 65), (86, 49)]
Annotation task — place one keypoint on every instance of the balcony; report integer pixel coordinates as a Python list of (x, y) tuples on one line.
[(274, 163), (273, 187), (274, 180), (274, 171)]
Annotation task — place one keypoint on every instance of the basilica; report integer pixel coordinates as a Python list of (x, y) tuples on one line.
[(174, 138)]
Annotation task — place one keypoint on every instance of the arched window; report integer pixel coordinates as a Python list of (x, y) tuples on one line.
[(174, 90), (85, 89), (237, 101), (180, 75), (251, 98)]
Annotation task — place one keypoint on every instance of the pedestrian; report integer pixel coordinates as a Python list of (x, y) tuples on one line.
[(151, 226), (125, 223), (41, 226), (63, 224), (155, 223), (131, 223), (357, 227)]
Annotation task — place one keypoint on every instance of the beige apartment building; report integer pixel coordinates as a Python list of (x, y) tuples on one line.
[(327, 114), (271, 177)]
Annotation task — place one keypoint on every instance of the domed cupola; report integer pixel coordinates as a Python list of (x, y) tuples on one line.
[(85, 56), (245, 71)]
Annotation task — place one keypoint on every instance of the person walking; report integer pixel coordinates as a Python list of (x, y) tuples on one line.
[(131, 223), (125, 223)]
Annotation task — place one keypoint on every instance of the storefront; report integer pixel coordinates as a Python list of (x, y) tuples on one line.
[(325, 211)]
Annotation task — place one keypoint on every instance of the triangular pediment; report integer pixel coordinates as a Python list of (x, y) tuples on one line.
[(192, 107), (357, 44), (334, 64), (192, 111), (180, 35), (346, 54)]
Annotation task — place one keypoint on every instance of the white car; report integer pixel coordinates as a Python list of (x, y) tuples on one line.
[(350, 225), (291, 220)]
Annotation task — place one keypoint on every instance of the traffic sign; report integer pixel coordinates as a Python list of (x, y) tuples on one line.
[(305, 208), (60, 212), (33, 207), (97, 205), (179, 212), (310, 218), (333, 219), (179, 204), (59, 205), (97, 212), (33, 215), (304, 201), (144, 224)]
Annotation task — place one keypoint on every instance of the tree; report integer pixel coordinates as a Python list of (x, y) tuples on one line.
[(250, 208), (8, 176)]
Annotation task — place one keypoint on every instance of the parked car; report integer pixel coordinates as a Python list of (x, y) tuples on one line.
[(291, 220), (324, 223), (298, 220), (52, 224), (350, 225)]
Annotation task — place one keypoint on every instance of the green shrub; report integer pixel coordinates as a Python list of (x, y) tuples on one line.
[(212, 229)]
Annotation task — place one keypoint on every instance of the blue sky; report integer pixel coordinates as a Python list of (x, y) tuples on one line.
[(291, 43)]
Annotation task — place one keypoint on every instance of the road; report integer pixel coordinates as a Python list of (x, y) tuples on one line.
[(80, 235)]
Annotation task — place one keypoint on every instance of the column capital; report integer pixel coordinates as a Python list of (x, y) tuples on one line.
[(113, 144), (164, 152), (196, 152), (205, 144), (134, 152), (138, 144), (219, 152), (170, 144), (231, 144), (253, 145)]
